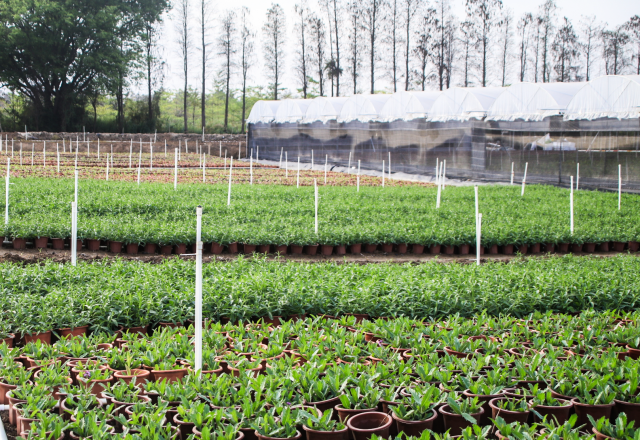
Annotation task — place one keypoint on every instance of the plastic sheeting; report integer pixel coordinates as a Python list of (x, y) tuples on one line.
[(607, 97), (292, 110), (363, 108), (263, 112), (462, 104), (532, 101), (324, 109), (407, 106)]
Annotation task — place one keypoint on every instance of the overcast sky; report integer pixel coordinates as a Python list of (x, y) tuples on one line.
[(613, 12)]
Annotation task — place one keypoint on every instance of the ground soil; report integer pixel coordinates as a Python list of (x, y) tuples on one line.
[(36, 256), (8, 429)]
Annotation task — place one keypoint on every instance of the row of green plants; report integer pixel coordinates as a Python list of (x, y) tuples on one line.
[(279, 215), (109, 294), (553, 376)]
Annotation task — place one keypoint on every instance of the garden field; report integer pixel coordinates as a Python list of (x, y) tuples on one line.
[(279, 215)]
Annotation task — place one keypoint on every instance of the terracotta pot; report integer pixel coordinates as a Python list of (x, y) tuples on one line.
[(633, 246), (249, 248), (344, 414), (9, 340), (296, 249), (41, 242), (549, 248), (596, 411), (599, 435), (493, 249), (255, 372), (563, 247), (233, 247), (632, 410), (282, 249), (4, 389), (508, 416), (589, 248), (414, 428), (343, 434), (463, 249), (456, 423), (434, 249), (523, 248), (603, 247), (96, 387), (45, 337), (12, 410), (122, 406), (534, 248), (180, 248), (364, 426), (93, 245), (370, 248), (417, 249), (166, 249), (19, 243), (401, 248), (576, 248), (326, 249), (150, 248), (264, 248), (185, 428), (507, 249), (324, 405), (132, 248), (262, 437), (618, 246), (355, 248), (311, 249), (341, 249), (484, 399), (448, 250), (57, 244), (216, 248), (169, 375), (115, 246), (387, 248), (275, 320), (140, 375), (78, 331)]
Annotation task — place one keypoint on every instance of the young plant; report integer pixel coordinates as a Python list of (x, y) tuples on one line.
[(323, 423), (465, 408), (418, 406), (622, 429)]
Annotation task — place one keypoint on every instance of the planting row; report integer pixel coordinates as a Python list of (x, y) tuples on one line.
[(284, 215), (545, 376), (112, 294)]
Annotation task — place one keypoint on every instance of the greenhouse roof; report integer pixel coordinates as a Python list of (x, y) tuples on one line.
[(607, 97)]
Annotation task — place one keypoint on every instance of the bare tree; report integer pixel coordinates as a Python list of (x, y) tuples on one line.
[(565, 49), (410, 9), (439, 47), (523, 32), (355, 52), (614, 45), (467, 39), (392, 41), (184, 40), (547, 14), (153, 66), (422, 51), (274, 31), (450, 52), (205, 13), (227, 49), (505, 44), (302, 11), (591, 31), (334, 13), (372, 24), (633, 26), (538, 23), (318, 42), (484, 13), (246, 55)]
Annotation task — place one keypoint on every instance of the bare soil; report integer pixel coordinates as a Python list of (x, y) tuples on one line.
[(8, 428)]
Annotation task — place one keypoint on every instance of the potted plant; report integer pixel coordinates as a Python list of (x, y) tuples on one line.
[(511, 410), (417, 413), (45, 427), (515, 430), (545, 404), (269, 427), (353, 401), (622, 429), (459, 415), (324, 427)]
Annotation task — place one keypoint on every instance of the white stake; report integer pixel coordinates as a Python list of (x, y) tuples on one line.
[(439, 193), (251, 168), (75, 189), (578, 176), (311, 159), (220, 148), (139, 165), (257, 152), (107, 175), (58, 156), (437, 173), (155, 136), (358, 178), (280, 163), (204, 168), (165, 148), (225, 159), (130, 152), (475, 189), (74, 232), (315, 185), (286, 163), (524, 178), (151, 157), (98, 148), (349, 159), (186, 146), (298, 177), (202, 134), (44, 154), (6, 194), (383, 173), (512, 174), (619, 186), (444, 172), (175, 170), (478, 238), (571, 206), (326, 159), (229, 195), (198, 317)]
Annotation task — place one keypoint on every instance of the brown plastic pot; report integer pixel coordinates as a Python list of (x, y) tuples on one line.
[(603, 247), (633, 246), (324, 405), (140, 375), (4, 389), (95, 387), (249, 248), (282, 249), (363, 426), (9, 340), (216, 248), (342, 434), (181, 248), (341, 249), (634, 353), (93, 245), (549, 248), (484, 399), (435, 249), (596, 411), (12, 401), (576, 248), (589, 248), (19, 243), (115, 246), (402, 248), (387, 248), (169, 375), (449, 250), (150, 248), (78, 331), (563, 248), (618, 246), (355, 248), (507, 249), (523, 248), (344, 414), (41, 242), (233, 247), (166, 249), (262, 437), (417, 249), (370, 248), (632, 410), (296, 249), (463, 249), (534, 248), (57, 244), (264, 248), (185, 428), (508, 416), (311, 249), (44, 337), (326, 249), (456, 423), (132, 248), (493, 249), (414, 428), (599, 435)]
